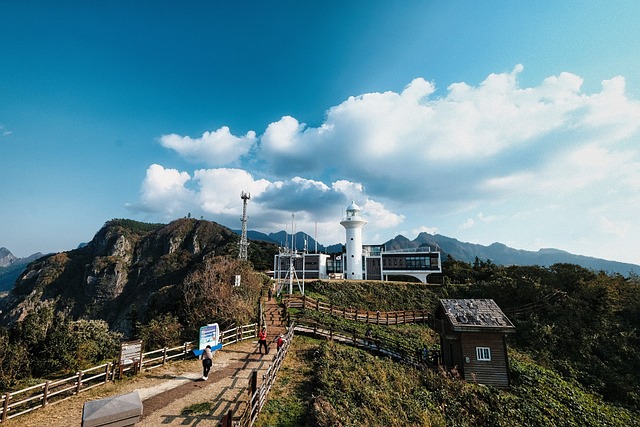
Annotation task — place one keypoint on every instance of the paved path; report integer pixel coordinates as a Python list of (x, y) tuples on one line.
[(225, 390)]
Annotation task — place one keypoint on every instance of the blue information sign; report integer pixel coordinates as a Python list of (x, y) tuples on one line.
[(209, 335)]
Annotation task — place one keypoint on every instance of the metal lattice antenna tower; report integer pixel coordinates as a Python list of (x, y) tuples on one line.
[(244, 244)]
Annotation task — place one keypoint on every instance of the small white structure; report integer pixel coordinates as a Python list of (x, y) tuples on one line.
[(353, 224)]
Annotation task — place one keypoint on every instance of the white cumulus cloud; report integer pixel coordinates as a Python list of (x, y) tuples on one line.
[(215, 148), (478, 161)]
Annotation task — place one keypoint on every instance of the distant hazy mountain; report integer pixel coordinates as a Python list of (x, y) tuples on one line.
[(11, 267), (501, 254), (283, 239), (498, 253)]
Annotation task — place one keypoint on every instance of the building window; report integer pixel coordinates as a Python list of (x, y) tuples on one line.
[(483, 354)]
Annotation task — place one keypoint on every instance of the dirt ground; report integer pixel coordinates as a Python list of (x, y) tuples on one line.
[(174, 395)]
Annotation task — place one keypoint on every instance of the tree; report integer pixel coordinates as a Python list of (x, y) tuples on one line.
[(209, 294), (162, 331)]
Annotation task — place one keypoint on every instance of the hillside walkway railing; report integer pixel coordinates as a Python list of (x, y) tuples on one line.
[(258, 394), (364, 316), (20, 402)]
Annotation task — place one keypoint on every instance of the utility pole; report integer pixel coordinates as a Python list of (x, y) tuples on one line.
[(244, 244)]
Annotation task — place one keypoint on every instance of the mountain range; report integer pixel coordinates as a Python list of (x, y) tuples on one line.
[(11, 267), (497, 253)]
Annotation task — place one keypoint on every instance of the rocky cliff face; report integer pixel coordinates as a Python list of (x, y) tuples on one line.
[(129, 272)]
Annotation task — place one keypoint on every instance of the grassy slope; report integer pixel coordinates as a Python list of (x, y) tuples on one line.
[(327, 385)]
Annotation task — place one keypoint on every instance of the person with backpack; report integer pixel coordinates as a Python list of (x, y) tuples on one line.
[(207, 362)]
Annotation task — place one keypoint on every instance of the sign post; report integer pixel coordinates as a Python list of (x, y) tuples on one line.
[(130, 353)]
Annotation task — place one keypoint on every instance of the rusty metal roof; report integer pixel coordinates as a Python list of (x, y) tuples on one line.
[(479, 314)]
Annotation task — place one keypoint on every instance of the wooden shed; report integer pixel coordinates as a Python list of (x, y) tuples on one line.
[(473, 339)]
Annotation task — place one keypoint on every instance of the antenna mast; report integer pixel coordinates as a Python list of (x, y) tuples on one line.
[(289, 255), (244, 244)]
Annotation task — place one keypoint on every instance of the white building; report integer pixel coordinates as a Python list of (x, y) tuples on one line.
[(368, 262)]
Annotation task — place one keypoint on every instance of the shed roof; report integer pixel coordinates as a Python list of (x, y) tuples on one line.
[(475, 314)]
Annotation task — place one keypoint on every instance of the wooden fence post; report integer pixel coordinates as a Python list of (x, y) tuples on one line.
[(5, 407), (227, 420), (185, 350), (253, 382), (317, 305), (107, 371), (79, 384), (45, 393)]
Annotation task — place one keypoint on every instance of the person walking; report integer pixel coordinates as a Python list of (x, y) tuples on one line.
[(270, 293), (262, 340), (280, 342), (207, 361)]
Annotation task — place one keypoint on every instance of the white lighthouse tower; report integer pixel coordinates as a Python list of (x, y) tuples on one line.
[(353, 224)]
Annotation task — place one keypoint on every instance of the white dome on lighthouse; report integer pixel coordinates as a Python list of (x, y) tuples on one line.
[(353, 207)]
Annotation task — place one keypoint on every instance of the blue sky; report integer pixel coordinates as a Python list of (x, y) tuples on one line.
[(516, 122)]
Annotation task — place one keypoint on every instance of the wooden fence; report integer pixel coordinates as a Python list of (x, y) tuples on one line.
[(387, 346), (258, 395), (16, 403), (364, 316)]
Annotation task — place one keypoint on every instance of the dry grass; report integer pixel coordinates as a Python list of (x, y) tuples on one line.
[(69, 412)]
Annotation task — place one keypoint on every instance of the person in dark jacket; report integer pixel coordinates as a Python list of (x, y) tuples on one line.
[(207, 361)]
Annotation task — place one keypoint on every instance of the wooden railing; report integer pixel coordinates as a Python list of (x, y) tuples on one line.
[(364, 316), (387, 346), (258, 395), (16, 403)]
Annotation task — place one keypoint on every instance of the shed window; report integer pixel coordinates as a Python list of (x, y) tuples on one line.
[(483, 354)]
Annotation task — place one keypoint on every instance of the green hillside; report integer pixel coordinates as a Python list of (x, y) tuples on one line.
[(573, 361)]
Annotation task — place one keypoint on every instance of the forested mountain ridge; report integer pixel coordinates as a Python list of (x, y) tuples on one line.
[(127, 273)]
